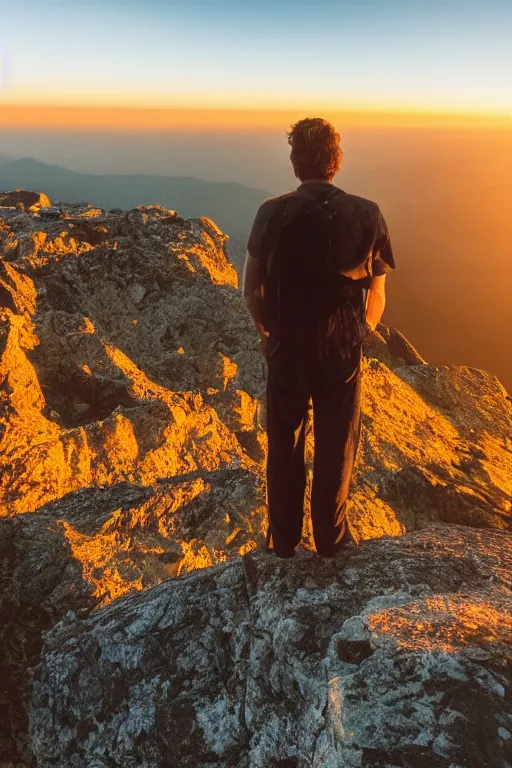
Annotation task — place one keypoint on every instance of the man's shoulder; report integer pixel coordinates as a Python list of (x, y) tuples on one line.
[(356, 203), (269, 207), (347, 203), (274, 203)]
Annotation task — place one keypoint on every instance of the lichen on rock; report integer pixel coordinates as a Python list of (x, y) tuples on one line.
[(390, 655)]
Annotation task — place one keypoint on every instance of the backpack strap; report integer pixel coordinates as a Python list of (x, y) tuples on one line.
[(278, 221), (326, 197)]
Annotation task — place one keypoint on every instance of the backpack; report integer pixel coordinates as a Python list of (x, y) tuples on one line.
[(305, 296)]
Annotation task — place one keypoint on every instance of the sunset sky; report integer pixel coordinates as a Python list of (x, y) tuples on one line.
[(371, 55)]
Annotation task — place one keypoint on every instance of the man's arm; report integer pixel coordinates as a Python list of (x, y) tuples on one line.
[(253, 291), (376, 301)]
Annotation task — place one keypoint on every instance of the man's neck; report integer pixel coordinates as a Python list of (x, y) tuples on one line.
[(316, 181)]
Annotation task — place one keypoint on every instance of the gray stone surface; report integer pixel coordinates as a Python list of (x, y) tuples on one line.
[(396, 654)]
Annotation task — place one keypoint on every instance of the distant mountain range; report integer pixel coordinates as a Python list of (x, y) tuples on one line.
[(232, 206)]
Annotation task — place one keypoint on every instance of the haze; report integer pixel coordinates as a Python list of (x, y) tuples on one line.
[(444, 192)]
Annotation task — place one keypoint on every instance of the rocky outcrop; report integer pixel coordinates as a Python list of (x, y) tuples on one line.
[(436, 446), (132, 437), (96, 545), (396, 655), (126, 354), (82, 423), (24, 199), (96, 345), (391, 347)]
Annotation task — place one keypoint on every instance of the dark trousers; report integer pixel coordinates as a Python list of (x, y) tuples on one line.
[(296, 377)]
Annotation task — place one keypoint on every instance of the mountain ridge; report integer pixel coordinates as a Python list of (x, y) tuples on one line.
[(230, 204), (31, 163)]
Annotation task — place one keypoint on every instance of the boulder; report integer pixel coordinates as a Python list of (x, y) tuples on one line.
[(50, 213), (27, 200), (396, 654), (391, 347)]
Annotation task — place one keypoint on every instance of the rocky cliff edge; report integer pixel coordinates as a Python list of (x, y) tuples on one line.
[(133, 446)]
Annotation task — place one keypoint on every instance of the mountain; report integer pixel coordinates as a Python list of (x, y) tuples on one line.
[(232, 206), (132, 512)]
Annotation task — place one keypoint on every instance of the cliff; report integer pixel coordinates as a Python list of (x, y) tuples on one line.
[(132, 451)]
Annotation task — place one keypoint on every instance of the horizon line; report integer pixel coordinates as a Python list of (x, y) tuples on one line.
[(168, 117)]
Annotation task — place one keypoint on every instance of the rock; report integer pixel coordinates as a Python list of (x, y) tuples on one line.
[(49, 213), (429, 452), (391, 347), (92, 212), (95, 545), (30, 201), (7, 212), (89, 232), (66, 360), (29, 245), (391, 655), (161, 299), (17, 295), (132, 441), (137, 293)]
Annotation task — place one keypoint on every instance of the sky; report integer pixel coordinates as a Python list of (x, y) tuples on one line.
[(366, 55)]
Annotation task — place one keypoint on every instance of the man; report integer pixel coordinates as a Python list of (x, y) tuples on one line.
[(314, 275)]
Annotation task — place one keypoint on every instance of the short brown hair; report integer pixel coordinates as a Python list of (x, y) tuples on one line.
[(316, 151)]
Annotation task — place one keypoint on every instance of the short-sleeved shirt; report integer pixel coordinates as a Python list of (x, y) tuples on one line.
[(364, 247)]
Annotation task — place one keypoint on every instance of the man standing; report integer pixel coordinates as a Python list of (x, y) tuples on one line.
[(314, 278)]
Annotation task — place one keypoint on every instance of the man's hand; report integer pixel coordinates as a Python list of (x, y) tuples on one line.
[(263, 343), (262, 347)]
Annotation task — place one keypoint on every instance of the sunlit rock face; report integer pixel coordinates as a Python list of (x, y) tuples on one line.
[(126, 354), (396, 654), (132, 441), (117, 331), (131, 448), (436, 445)]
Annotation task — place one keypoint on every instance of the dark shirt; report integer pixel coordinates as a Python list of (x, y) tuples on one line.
[(364, 245)]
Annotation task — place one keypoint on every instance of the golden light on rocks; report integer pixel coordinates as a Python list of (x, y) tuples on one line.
[(129, 357), (446, 623), (229, 370)]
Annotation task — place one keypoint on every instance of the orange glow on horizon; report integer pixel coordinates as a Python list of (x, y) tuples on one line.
[(143, 118)]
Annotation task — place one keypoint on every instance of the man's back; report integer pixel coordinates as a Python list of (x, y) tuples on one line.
[(364, 248)]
